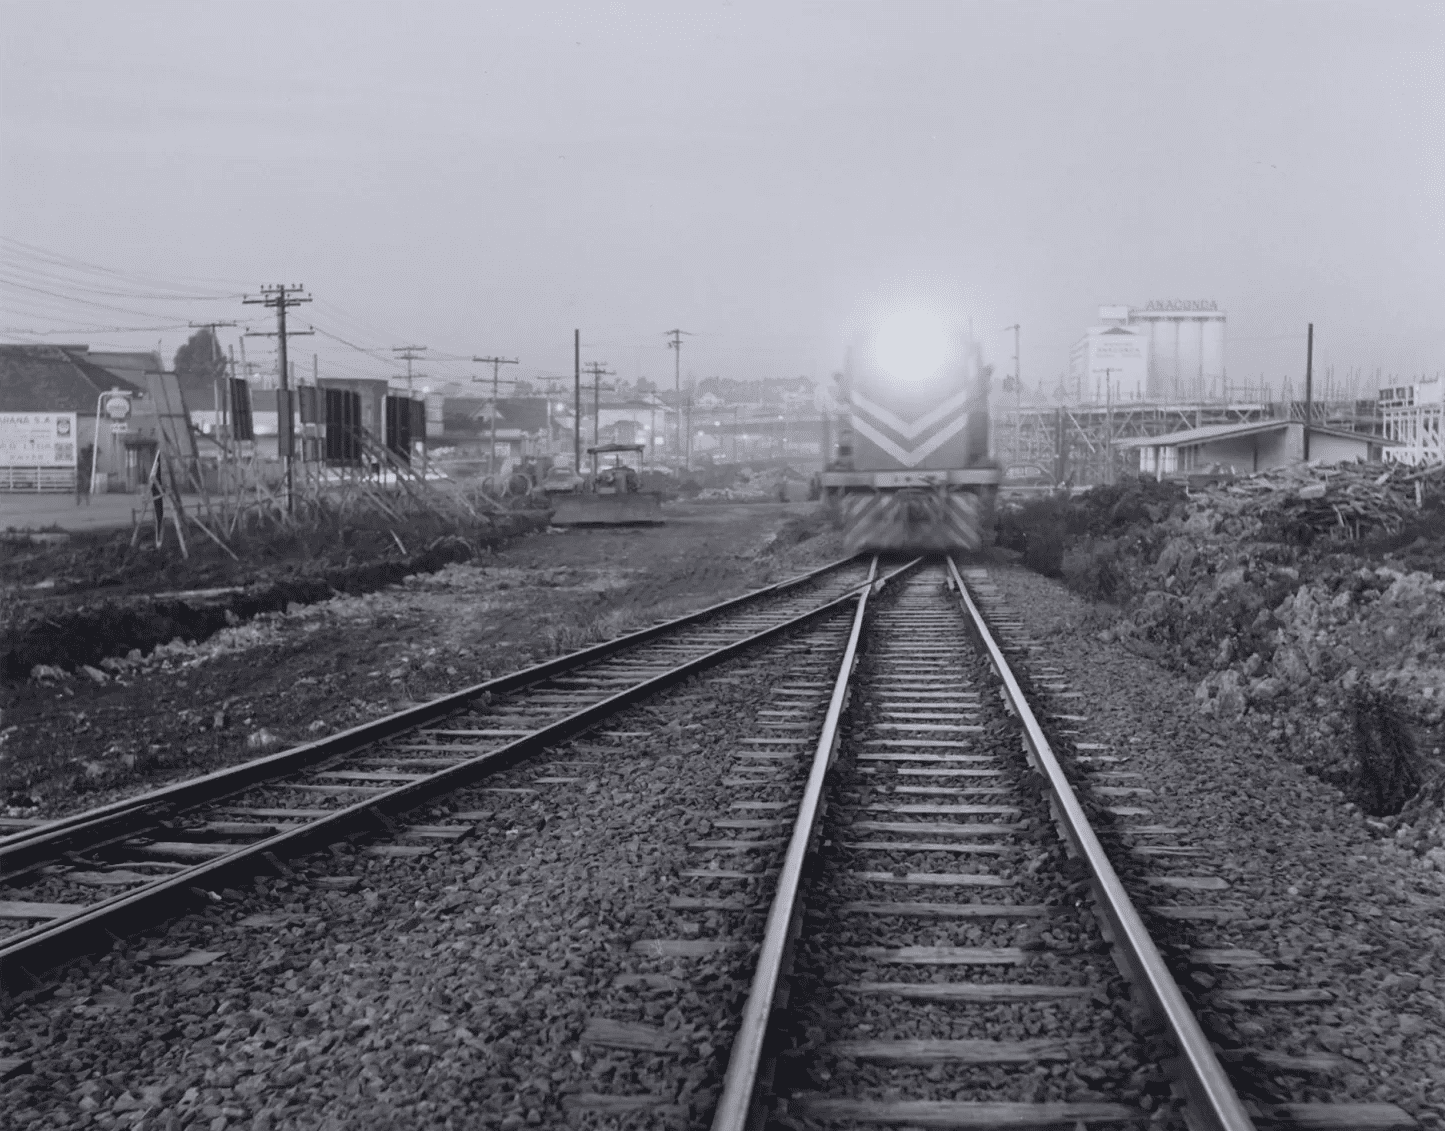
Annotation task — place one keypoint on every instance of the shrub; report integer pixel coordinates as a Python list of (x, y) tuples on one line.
[(1387, 767), (1044, 551), (1093, 570)]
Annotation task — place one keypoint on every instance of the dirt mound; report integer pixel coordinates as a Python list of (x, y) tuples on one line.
[(1294, 596)]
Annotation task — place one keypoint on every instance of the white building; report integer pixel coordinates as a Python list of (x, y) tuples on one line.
[(1414, 417), (1111, 361), (1166, 351)]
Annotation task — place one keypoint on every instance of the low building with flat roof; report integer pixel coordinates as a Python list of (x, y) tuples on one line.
[(1248, 447)]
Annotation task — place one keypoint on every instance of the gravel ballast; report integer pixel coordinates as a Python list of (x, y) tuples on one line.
[(1322, 894), (1073, 1047), (510, 978)]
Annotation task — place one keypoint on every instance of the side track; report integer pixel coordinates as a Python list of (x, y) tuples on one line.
[(84, 880)]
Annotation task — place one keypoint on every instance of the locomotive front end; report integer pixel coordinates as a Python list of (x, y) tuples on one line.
[(911, 472)]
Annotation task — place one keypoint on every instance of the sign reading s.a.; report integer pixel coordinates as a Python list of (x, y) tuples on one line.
[(37, 439)]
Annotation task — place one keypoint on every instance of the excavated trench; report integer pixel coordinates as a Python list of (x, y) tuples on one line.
[(86, 634)]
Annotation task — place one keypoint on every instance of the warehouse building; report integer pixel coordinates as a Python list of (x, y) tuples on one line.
[(1241, 449)]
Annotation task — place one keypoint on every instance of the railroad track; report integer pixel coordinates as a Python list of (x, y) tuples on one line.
[(74, 885), (887, 855), (938, 947)]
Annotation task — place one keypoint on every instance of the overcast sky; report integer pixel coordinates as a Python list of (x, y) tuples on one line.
[(772, 177)]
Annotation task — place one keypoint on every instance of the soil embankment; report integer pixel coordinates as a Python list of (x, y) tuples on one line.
[(370, 646), (92, 597), (1311, 601)]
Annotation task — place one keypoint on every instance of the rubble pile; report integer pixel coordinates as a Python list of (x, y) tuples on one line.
[(1302, 596), (1303, 502)]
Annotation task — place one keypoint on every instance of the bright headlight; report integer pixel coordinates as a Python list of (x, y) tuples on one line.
[(912, 345)]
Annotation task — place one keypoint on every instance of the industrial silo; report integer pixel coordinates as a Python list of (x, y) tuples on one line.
[(1213, 351), (1190, 357), (1163, 357), (1186, 347)]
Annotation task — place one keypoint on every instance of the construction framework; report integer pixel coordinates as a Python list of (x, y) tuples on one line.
[(1073, 442), (1414, 417)]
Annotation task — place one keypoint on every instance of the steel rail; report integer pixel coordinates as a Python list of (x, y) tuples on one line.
[(23, 850), (1212, 1103), (737, 1103), (100, 924)]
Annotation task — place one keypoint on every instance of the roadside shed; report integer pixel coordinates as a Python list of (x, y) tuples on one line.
[(1249, 447)]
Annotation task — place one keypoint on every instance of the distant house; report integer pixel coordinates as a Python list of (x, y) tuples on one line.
[(1246, 448), (461, 418), (58, 381), (527, 427)]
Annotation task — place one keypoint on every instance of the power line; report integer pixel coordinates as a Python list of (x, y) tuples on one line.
[(375, 354), (72, 330), (77, 299), (70, 263)]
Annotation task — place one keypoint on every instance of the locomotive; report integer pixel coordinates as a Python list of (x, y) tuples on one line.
[(911, 471)]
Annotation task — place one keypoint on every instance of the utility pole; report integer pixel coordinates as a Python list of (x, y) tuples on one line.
[(1309, 387), (1109, 424), (1015, 329), (1061, 459), (215, 356), (598, 371), (496, 363), (215, 342), (280, 298), (1018, 397), (674, 342), (225, 406), (577, 401), (408, 354)]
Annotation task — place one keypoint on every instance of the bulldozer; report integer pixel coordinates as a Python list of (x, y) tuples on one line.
[(611, 495)]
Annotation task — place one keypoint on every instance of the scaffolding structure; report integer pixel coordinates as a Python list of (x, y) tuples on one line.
[(367, 476), (1414, 417), (1073, 441)]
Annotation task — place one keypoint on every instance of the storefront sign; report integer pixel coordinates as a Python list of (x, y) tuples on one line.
[(37, 439)]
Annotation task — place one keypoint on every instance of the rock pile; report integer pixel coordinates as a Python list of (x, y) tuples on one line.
[(1305, 501), (1294, 595)]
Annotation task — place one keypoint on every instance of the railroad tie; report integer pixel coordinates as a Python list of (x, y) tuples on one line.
[(1035, 1051)]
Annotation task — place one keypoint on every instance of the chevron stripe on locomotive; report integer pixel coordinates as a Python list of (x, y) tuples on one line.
[(912, 471)]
